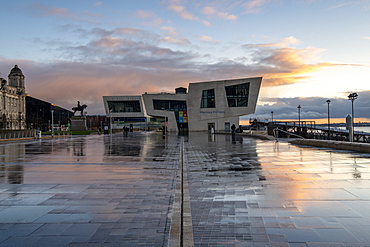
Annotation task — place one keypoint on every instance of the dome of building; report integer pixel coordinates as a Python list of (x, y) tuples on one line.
[(16, 70)]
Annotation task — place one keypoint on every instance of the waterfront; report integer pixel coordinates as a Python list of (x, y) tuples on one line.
[(119, 191)]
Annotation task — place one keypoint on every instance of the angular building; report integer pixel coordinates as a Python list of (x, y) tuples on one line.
[(204, 106), (13, 101)]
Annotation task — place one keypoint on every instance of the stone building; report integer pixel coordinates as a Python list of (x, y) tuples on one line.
[(207, 105), (13, 101)]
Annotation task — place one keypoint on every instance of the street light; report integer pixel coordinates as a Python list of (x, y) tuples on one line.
[(110, 120), (299, 118), (352, 97), (52, 122), (328, 101)]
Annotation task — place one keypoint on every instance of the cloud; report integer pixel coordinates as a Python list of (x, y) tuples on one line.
[(208, 39), (154, 19), (282, 65), (39, 9), (130, 61), (212, 12), (284, 43), (186, 15), (145, 14), (170, 31), (174, 37), (312, 107), (255, 6), (181, 41)]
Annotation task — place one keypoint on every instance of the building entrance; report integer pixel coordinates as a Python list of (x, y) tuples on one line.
[(227, 127), (211, 126)]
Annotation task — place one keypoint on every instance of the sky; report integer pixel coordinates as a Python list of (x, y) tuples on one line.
[(307, 51)]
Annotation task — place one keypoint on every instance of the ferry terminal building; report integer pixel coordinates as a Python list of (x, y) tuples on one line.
[(203, 106)]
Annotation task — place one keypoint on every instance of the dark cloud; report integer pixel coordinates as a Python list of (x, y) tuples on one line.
[(313, 107)]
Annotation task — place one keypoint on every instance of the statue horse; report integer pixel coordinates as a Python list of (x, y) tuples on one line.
[(80, 108)]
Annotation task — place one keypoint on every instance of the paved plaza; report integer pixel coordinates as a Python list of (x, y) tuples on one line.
[(112, 190)]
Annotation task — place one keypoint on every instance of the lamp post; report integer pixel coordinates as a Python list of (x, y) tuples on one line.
[(352, 97), (328, 101), (299, 119), (52, 122), (272, 116), (110, 118)]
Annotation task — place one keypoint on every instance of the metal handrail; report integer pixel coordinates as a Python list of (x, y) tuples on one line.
[(286, 132)]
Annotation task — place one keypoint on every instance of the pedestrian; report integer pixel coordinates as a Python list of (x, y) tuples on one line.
[(233, 129), (125, 130)]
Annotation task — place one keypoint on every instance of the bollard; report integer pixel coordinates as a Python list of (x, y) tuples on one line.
[(350, 130)]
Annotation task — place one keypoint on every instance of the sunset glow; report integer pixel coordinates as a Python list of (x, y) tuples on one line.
[(75, 51)]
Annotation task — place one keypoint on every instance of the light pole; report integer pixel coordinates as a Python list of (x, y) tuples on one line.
[(328, 101), (299, 115), (352, 97), (110, 118), (52, 122), (272, 116)]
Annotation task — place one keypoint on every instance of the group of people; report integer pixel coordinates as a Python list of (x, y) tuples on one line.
[(236, 130)]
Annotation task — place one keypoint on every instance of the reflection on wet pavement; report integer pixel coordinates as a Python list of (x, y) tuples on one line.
[(119, 191), (250, 192), (87, 190)]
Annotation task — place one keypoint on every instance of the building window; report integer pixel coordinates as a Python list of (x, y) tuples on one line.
[(124, 106), (208, 99), (169, 105), (237, 95)]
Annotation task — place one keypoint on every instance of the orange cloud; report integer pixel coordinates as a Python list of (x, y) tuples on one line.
[(129, 61)]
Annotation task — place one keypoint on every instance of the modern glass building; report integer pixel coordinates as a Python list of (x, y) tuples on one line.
[(205, 105)]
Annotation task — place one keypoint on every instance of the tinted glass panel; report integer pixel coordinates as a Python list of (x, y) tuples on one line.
[(169, 105), (237, 95), (124, 106), (208, 99)]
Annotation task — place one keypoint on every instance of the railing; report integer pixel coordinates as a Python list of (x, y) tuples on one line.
[(18, 134), (310, 131), (277, 130)]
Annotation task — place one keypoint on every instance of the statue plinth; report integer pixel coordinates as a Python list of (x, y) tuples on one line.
[(78, 123)]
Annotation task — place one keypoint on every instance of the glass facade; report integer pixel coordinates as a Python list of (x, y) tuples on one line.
[(208, 99), (169, 105), (178, 107), (124, 106), (237, 95)]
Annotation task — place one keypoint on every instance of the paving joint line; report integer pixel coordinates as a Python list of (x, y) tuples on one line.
[(181, 232)]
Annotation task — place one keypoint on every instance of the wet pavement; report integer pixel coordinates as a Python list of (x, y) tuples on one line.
[(120, 191)]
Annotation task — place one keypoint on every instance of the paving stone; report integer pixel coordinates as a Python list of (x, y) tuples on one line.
[(121, 191)]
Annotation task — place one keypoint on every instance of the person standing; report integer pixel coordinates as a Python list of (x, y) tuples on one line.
[(233, 129)]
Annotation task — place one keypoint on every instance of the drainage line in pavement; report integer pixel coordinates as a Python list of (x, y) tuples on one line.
[(181, 232), (182, 191), (186, 218)]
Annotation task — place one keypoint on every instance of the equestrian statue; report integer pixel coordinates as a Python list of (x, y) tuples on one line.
[(79, 107)]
